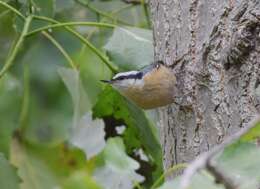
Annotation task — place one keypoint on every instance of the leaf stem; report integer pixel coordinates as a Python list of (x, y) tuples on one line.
[(110, 65), (167, 172), (18, 44), (137, 185), (61, 49), (102, 13), (12, 9), (98, 24), (13, 53), (25, 101)]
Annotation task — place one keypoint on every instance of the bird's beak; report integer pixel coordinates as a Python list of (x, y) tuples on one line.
[(106, 81)]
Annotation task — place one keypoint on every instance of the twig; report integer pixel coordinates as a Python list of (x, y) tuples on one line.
[(17, 46), (109, 64), (97, 24), (12, 9), (220, 177), (61, 49), (167, 172), (201, 161)]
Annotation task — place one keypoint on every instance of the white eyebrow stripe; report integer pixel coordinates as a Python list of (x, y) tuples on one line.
[(125, 74)]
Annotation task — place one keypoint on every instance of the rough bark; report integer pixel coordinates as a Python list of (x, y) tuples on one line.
[(218, 77)]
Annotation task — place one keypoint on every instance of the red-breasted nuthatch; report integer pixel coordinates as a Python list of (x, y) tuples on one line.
[(151, 87)]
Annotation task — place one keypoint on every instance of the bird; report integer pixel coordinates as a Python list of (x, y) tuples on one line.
[(149, 88)]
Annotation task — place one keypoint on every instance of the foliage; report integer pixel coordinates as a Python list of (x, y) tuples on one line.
[(53, 141), (131, 48), (60, 126), (8, 177)]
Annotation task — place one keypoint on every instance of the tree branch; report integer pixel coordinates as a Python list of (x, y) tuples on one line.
[(201, 161), (220, 177)]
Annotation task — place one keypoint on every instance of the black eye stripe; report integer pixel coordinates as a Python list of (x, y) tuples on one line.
[(121, 78), (139, 75)]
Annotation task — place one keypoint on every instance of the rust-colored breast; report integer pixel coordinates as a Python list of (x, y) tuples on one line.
[(157, 90)]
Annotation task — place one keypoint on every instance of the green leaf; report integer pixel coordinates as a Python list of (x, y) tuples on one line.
[(62, 160), (119, 170), (33, 172), (8, 175), (120, 12), (170, 184), (131, 48), (111, 103), (7, 32), (81, 180), (240, 162), (204, 180), (10, 98), (63, 5), (50, 108), (199, 181), (112, 179), (39, 7), (116, 158), (252, 134), (92, 69), (81, 102), (44, 7), (89, 135)]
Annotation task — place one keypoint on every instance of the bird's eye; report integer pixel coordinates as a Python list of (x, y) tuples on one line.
[(139, 75), (157, 66)]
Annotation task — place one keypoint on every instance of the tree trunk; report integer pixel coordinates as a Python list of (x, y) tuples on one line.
[(218, 81)]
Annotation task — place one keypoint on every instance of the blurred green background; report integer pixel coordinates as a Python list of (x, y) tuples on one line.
[(60, 127)]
